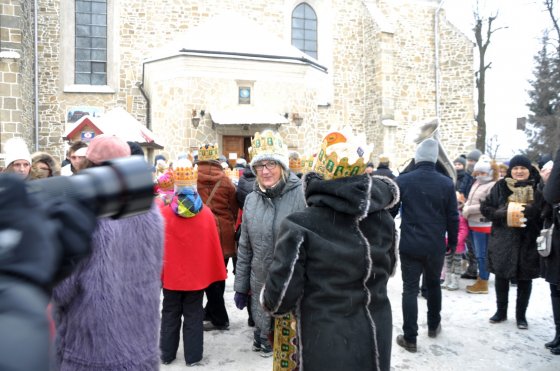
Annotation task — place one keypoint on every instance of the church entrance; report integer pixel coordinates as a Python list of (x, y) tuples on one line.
[(238, 145)]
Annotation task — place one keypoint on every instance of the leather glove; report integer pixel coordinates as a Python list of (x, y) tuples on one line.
[(501, 212), (240, 300)]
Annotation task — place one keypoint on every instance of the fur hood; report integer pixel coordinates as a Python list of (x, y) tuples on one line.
[(47, 159)]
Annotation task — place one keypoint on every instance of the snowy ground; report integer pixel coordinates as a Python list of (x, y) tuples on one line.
[(468, 341)]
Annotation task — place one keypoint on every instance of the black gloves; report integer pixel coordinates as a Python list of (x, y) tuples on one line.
[(531, 211), (501, 212)]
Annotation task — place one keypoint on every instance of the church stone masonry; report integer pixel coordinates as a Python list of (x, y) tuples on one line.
[(379, 57)]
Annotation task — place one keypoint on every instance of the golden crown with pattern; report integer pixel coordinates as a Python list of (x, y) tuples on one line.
[(208, 152), (233, 174), (295, 162), (185, 174), (269, 144), (307, 163), (166, 181), (341, 155)]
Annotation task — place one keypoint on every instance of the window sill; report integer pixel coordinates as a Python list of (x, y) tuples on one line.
[(101, 89)]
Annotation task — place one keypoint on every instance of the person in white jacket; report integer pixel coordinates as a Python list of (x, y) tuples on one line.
[(486, 174)]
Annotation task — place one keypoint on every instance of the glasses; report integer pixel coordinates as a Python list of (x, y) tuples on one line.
[(271, 165)]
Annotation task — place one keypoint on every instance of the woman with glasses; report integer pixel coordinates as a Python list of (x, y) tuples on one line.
[(276, 194)]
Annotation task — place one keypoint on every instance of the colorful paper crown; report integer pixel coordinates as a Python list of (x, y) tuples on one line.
[(185, 174), (166, 181), (341, 155), (267, 143), (208, 152)]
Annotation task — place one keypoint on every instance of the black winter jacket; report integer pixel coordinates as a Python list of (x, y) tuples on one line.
[(383, 170), (512, 252), (428, 211), (551, 264), (245, 185), (331, 265)]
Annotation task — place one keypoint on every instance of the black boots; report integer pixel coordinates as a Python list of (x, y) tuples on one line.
[(554, 345), (523, 294), (502, 290)]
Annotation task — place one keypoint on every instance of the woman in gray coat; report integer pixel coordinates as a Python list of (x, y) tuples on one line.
[(277, 194)]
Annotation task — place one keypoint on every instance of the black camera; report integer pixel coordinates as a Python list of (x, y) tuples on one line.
[(119, 188)]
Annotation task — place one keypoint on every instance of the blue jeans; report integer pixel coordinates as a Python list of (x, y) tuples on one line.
[(412, 268), (480, 241)]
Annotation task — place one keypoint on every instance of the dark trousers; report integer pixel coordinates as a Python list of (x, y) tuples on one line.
[(412, 267), (524, 288), (187, 304), (215, 310)]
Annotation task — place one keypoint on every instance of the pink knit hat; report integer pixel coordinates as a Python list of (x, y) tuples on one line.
[(106, 147)]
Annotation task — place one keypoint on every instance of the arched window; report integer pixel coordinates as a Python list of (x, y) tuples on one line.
[(304, 29)]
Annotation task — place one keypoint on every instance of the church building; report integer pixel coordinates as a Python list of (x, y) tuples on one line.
[(217, 71)]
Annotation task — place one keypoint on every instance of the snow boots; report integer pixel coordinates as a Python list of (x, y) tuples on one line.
[(479, 287)]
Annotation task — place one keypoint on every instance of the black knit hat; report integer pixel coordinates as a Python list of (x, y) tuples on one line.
[(520, 160)]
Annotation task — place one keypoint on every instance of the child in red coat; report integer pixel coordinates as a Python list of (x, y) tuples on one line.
[(192, 260)]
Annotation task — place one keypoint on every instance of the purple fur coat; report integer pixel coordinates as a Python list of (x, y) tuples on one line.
[(107, 311)]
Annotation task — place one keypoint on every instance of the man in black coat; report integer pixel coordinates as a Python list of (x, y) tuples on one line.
[(428, 212)]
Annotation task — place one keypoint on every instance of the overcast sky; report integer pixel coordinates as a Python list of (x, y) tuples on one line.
[(511, 52)]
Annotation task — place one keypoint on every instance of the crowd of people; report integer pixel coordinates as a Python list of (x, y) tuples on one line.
[(312, 251)]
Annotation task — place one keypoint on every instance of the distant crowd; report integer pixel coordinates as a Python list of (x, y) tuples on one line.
[(312, 244)]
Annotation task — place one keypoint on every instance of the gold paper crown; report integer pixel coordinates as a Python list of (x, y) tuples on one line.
[(208, 152), (333, 165), (267, 142), (233, 174), (295, 162), (185, 174), (307, 163)]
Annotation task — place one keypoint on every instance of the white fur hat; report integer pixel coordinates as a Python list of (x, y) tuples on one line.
[(16, 149)]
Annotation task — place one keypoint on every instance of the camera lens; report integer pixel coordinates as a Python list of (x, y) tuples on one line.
[(121, 187)]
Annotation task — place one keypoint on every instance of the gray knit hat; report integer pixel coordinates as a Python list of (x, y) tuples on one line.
[(461, 160), (474, 155), (427, 151)]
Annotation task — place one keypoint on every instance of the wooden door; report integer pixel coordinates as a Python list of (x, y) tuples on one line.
[(235, 144)]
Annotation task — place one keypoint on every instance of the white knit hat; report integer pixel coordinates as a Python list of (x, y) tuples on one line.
[(16, 149), (483, 165)]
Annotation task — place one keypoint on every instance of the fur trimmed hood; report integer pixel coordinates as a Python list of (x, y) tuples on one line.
[(46, 158), (356, 195)]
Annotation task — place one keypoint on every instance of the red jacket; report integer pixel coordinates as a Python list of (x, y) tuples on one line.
[(192, 258)]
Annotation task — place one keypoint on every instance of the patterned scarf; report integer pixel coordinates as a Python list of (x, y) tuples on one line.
[(186, 202), (522, 190)]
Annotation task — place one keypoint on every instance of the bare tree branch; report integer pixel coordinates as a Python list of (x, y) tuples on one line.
[(550, 8)]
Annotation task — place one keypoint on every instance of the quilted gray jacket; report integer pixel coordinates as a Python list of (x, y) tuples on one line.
[(262, 215)]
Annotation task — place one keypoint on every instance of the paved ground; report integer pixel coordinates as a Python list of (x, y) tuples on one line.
[(467, 342)]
